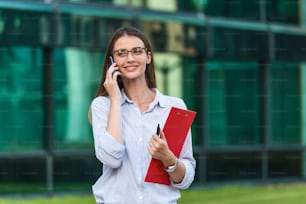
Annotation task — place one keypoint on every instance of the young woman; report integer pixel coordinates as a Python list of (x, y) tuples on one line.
[(124, 117)]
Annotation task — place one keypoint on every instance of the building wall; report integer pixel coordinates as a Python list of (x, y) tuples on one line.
[(237, 63)]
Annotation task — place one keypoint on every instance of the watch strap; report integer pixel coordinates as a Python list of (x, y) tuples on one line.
[(172, 168)]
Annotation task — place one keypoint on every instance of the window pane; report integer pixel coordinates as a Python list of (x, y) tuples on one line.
[(233, 104), (22, 175), (20, 98), (284, 164), (77, 74), (284, 11), (76, 174), (242, 9), (285, 103), (231, 166)]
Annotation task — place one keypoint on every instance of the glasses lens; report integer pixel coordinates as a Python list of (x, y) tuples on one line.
[(137, 51), (121, 53)]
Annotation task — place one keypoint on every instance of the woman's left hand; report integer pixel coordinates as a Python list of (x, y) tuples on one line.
[(158, 148)]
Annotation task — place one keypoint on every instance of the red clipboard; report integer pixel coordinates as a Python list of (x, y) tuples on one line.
[(176, 128)]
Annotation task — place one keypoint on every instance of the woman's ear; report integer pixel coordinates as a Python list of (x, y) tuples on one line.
[(149, 57)]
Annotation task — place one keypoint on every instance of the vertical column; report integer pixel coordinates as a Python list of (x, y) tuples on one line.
[(263, 10), (202, 122), (302, 17), (264, 100), (48, 116), (202, 103), (303, 116)]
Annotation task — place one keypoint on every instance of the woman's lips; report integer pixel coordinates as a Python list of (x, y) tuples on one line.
[(130, 68)]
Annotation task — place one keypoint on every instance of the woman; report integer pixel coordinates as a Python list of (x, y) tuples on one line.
[(125, 114)]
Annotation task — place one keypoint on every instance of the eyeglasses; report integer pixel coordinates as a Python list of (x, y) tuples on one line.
[(136, 51)]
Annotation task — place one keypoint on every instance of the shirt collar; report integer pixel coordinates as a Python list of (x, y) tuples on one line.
[(160, 99), (124, 98)]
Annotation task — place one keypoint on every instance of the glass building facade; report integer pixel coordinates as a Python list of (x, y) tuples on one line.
[(239, 64)]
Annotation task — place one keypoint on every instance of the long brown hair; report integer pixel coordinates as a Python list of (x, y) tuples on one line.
[(149, 73)]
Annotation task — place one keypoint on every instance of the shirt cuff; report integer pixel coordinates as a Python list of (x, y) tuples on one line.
[(110, 145), (188, 178)]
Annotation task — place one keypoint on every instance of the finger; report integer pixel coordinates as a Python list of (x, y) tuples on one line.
[(112, 65), (112, 68), (115, 75), (162, 135), (110, 72), (155, 137), (152, 142), (156, 140), (151, 148)]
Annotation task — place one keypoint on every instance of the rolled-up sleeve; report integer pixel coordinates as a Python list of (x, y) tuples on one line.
[(186, 157), (107, 149)]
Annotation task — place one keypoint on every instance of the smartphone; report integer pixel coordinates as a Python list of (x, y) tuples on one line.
[(111, 61)]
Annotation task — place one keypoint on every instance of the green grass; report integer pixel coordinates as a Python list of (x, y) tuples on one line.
[(268, 194), (88, 199), (28, 188)]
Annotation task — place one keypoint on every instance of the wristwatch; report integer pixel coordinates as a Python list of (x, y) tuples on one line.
[(172, 168)]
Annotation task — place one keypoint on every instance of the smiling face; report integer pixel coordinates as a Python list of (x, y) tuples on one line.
[(133, 65), (128, 37)]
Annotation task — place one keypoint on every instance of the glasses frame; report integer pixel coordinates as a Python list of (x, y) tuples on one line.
[(126, 52)]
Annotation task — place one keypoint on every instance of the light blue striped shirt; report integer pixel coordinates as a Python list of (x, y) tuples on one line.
[(125, 165)]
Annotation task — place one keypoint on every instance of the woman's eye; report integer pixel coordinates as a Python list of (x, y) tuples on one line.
[(121, 53), (137, 50)]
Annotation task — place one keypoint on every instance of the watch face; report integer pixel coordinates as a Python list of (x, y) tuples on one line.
[(171, 169)]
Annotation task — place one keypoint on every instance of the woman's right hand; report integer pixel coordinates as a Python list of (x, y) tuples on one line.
[(111, 84), (114, 117)]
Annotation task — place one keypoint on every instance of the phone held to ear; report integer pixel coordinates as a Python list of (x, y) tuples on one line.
[(111, 61)]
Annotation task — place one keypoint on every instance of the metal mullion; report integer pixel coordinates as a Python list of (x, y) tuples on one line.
[(264, 126), (48, 116), (202, 116)]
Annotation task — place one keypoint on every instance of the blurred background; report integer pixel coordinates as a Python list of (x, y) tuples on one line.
[(238, 63)]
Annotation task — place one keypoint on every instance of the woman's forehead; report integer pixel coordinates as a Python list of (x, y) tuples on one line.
[(128, 42)]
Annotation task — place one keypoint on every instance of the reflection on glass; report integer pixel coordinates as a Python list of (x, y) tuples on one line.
[(232, 103), (76, 72), (285, 103), (20, 98)]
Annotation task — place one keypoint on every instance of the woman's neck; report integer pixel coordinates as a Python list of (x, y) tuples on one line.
[(139, 94), (142, 95)]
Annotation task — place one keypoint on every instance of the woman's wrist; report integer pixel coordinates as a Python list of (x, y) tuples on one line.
[(169, 161), (173, 167), (115, 100)]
